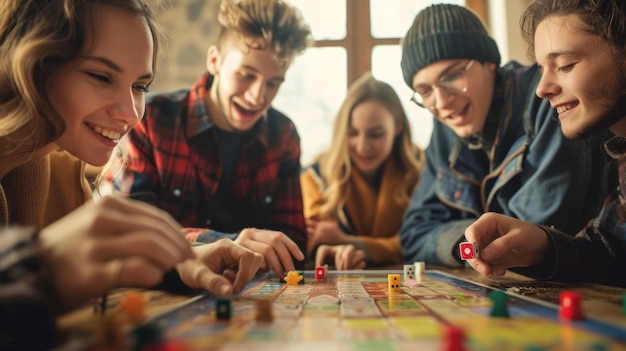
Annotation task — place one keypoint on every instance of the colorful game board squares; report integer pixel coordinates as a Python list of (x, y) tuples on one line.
[(323, 300)]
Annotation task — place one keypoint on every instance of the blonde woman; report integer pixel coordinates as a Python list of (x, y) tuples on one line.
[(356, 192), (73, 76)]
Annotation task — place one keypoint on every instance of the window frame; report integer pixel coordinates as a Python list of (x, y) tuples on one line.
[(359, 42)]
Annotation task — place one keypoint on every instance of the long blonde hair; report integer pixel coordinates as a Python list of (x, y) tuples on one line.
[(36, 38), (335, 165)]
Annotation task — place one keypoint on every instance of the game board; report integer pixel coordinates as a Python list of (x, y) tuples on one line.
[(355, 311)]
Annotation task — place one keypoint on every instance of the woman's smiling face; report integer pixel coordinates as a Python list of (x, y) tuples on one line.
[(101, 94)]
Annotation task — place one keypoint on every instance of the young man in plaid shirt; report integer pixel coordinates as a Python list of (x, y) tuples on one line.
[(217, 156)]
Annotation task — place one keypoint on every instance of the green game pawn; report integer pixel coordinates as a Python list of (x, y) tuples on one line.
[(146, 337), (499, 299)]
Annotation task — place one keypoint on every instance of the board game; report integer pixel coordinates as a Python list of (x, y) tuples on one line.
[(355, 311)]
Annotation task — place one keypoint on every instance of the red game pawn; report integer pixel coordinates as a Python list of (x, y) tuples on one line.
[(454, 339), (571, 306)]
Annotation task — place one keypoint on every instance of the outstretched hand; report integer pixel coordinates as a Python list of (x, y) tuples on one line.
[(110, 243), (505, 242), (222, 267), (324, 233), (277, 249), (345, 256)]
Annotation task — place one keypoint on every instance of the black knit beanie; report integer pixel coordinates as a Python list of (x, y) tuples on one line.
[(444, 32)]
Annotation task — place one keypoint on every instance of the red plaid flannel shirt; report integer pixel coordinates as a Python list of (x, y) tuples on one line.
[(172, 162)]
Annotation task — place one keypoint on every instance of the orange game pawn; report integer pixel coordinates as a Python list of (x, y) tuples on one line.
[(133, 304)]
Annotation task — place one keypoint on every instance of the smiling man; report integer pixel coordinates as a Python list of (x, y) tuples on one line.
[(217, 156), (581, 46), (494, 146)]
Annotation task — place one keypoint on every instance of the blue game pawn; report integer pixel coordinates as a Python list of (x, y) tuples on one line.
[(499, 308)]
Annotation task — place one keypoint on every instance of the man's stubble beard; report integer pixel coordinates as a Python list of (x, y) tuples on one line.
[(616, 112)]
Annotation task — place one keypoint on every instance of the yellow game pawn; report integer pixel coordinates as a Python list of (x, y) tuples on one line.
[(293, 278)]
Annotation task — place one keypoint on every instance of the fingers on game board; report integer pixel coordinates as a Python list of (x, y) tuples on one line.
[(571, 306), (468, 251)]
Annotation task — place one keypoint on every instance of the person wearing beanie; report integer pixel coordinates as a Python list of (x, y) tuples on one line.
[(494, 146)]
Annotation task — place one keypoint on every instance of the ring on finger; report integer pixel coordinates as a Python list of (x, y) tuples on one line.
[(113, 269)]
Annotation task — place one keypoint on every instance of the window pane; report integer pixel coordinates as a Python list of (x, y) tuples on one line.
[(314, 88), (386, 67), (392, 18), (327, 18)]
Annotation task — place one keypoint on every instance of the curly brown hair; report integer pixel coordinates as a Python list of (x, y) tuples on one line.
[(604, 18), (280, 25)]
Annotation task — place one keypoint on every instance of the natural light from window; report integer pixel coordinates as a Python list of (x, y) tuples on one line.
[(316, 83)]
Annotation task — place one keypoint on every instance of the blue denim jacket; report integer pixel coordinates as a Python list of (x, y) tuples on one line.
[(532, 173), (598, 252)]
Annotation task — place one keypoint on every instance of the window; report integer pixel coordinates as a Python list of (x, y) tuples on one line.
[(351, 37)]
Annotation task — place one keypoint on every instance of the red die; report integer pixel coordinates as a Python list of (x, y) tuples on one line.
[(468, 250), (320, 272)]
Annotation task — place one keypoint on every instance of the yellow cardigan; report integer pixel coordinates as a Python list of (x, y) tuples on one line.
[(43, 190), (373, 216)]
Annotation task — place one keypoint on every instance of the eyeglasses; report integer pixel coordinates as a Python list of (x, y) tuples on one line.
[(453, 83)]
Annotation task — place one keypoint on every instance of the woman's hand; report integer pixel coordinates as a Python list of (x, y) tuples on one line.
[(222, 267), (325, 232), (110, 243), (345, 256)]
